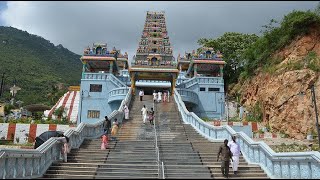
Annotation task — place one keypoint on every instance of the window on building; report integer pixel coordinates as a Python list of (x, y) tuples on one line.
[(95, 87), (202, 89), (93, 114), (154, 30), (154, 42), (154, 50), (214, 89)]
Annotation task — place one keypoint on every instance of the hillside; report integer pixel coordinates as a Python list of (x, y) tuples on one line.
[(281, 91), (39, 67)]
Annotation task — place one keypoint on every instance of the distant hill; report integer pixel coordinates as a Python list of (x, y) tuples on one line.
[(39, 67)]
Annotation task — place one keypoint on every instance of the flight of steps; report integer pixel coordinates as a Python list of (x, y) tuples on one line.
[(187, 154), (180, 160), (208, 152), (131, 156), (184, 152)]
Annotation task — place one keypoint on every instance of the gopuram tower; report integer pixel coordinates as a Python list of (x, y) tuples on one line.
[(154, 47), (154, 59)]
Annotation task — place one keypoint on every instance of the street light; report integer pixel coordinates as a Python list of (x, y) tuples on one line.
[(81, 103), (316, 111)]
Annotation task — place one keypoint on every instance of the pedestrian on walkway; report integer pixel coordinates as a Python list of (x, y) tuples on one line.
[(226, 154), (126, 112), (164, 96), (106, 125), (235, 150), (141, 94), (115, 128), (104, 142), (144, 113), (154, 96), (151, 116), (159, 96)]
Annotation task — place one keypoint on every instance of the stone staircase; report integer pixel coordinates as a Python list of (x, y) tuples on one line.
[(187, 154), (132, 155), (184, 152)]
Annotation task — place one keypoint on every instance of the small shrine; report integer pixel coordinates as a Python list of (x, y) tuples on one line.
[(204, 62), (99, 58)]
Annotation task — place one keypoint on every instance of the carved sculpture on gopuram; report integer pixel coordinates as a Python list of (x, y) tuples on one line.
[(154, 46)]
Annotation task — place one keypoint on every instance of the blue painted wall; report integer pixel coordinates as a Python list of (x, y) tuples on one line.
[(211, 103), (95, 100)]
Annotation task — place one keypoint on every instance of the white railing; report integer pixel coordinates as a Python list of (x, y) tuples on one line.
[(116, 81), (188, 95), (157, 148), (96, 76), (163, 176), (103, 76), (33, 163), (200, 80), (292, 165), (156, 142), (118, 91)]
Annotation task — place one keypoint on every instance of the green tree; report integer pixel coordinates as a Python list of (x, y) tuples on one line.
[(232, 45), (59, 112)]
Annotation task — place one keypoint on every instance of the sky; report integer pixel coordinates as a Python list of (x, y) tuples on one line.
[(76, 25)]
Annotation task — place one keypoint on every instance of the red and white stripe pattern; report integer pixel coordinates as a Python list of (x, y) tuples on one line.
[(70, 102), (28, 132)]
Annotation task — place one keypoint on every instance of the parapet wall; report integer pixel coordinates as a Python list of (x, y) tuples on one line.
[(28, 132)]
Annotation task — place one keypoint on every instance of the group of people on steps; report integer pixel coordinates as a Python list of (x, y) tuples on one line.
[(157, 97), (228, 151), (114, 128)]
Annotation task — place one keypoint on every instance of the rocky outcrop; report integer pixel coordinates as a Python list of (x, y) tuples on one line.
[(285, 96)]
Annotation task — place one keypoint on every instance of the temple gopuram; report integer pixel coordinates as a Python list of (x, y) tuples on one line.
[(154, 59)]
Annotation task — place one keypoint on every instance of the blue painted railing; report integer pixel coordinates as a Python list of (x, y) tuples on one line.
[(117, 94), (188, 96), (116, 81), (103, 76), (292, 165), (33, 163), (201, 80)]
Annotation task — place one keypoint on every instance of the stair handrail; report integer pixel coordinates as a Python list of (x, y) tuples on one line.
[(33, 163), (276, 165), (163, 177), (156, 142)]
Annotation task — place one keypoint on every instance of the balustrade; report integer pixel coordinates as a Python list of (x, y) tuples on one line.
[(33, 163), (290, 165)]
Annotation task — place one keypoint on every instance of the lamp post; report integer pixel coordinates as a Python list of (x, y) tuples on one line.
[(227, 102), (82, 94), (316, 111)]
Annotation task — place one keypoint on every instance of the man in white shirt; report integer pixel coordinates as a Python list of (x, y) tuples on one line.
[(235, 149), (141, 93), (144, 112), (154, 96)]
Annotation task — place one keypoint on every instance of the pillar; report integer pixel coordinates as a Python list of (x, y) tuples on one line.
[(83, 69), (111, 67), (221, 70), (195, 70), (173, 85), (133, 84)]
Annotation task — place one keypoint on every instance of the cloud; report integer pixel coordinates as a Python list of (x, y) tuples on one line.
[(76, 25)]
